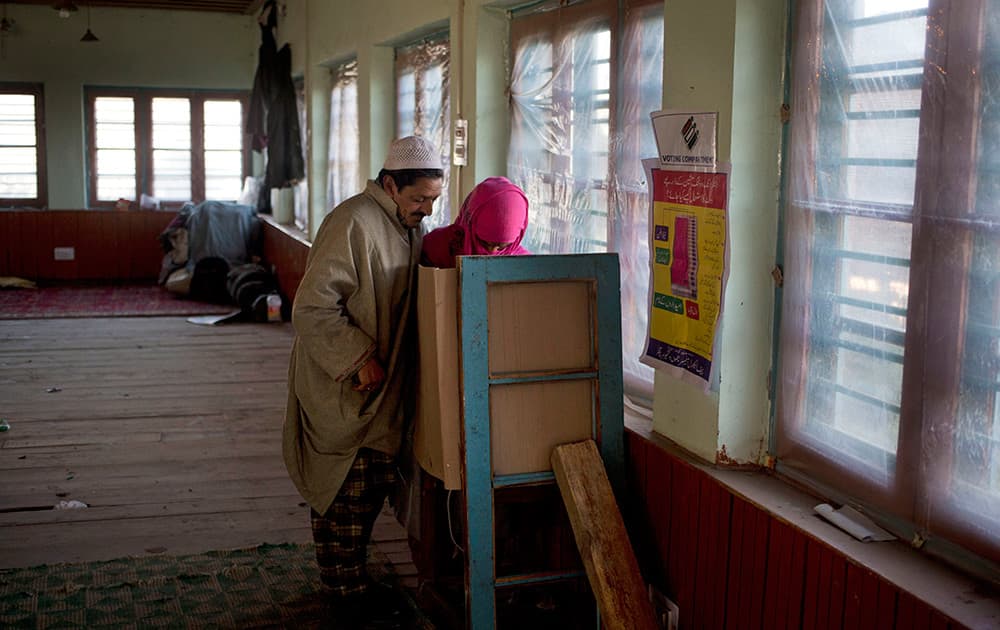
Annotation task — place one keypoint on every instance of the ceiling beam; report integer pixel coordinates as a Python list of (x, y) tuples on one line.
[(220, 6)]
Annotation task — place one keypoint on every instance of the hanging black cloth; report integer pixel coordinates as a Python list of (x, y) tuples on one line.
[(263, 79), (285, 165), (273, 117)]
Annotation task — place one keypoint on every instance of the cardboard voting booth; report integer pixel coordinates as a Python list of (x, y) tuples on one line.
[(519, 355), (537, 328)]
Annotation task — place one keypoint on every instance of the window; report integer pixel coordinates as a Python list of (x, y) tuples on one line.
[(224, 153), (422, 106), (579, 130), (890, 330), (300, 189), (171, 148), (22, 145), (176, 146), (344, 166)]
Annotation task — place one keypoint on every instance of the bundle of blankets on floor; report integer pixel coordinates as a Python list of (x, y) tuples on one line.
[(212, 252)]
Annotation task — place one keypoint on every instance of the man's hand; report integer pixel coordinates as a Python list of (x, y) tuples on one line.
[(369, 377)]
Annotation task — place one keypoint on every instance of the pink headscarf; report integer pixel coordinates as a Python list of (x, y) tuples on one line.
[(496, 211)]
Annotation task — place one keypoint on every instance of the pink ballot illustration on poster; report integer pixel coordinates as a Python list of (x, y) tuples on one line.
[(688, 266)]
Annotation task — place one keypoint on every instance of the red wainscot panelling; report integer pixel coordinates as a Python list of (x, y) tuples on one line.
[(6, 227), (107, 244), (287, 251), (729, 563), (146, 253), (117, 245), (10, 244), (45, 228), (27, 256), (99, 250)]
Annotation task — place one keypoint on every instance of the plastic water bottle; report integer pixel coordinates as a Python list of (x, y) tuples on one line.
[(274, 308)]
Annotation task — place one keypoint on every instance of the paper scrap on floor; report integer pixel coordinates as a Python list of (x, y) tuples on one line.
[(214, 320), (854, 523)]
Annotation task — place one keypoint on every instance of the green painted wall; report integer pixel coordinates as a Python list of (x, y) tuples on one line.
[(727, 56), (142, 48)]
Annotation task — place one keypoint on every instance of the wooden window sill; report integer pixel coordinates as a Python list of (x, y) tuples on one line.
[(971, 602), (288, 229)]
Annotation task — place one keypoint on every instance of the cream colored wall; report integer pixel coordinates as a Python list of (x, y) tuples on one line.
[(143, 48), (744, 403), (727, 56)]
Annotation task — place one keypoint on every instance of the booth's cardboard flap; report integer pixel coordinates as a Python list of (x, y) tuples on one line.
[(535, 328), (437, 435)]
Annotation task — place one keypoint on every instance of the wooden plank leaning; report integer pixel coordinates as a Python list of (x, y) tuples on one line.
[(600, 535)]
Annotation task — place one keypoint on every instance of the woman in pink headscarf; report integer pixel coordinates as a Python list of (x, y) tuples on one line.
[(491, 222)]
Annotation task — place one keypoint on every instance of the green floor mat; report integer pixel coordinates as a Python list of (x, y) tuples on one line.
[(270, 586)]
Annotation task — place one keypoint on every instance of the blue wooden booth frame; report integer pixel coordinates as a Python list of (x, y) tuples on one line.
[(475, 274)]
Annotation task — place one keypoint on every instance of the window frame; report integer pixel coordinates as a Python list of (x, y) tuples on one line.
[(623, 186), (41, 198), (556, 25), (142, 101), (939, 274), (410, 56), (342, 75), (300, 190)]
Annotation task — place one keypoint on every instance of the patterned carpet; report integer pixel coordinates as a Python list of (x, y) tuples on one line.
[(270, 586), (118, 300)]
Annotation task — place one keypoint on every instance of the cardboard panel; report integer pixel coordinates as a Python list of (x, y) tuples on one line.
[(437, 434), (540, 327), (528, 420), (533, 327)]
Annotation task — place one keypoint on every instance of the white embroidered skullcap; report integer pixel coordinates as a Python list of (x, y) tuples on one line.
[(412, 152)]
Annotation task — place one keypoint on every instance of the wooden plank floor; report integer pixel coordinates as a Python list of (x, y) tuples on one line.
[(169, 431)]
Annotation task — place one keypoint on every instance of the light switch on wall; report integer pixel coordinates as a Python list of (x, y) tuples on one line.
[(460, 144), (64, 253)]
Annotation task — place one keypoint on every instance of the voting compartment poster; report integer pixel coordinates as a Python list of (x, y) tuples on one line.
[(685, 140), (688, 265)]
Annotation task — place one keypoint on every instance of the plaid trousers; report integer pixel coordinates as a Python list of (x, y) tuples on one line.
[(341, 535)]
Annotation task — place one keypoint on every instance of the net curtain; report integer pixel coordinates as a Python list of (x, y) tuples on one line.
[(579, 130)]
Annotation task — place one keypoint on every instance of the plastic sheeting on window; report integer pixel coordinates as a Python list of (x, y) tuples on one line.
[(577, 142), (889, 356), (301, 187), (344, 157), (423, 107)]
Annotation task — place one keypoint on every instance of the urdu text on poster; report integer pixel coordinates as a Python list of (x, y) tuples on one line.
[(688, 251)]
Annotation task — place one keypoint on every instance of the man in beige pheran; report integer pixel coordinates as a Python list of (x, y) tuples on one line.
[(352, 364)]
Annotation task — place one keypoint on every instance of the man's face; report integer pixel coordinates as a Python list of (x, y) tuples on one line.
[(414, 202)]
